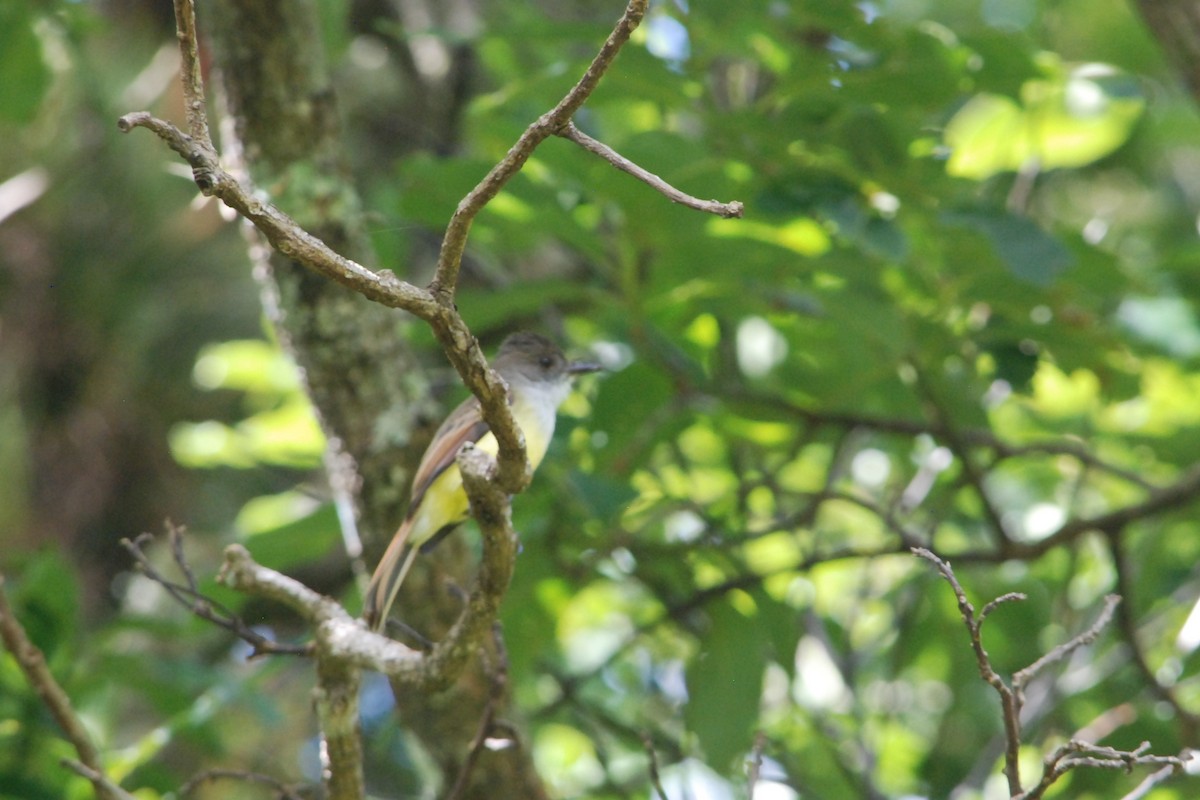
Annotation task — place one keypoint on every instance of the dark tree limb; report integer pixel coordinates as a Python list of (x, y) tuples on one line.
[(652, 767), (1127, 625), (487, 721)]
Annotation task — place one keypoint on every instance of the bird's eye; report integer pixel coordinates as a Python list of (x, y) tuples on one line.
[(546, 362)]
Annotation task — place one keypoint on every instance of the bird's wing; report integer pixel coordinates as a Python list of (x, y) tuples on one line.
[(465, 424)]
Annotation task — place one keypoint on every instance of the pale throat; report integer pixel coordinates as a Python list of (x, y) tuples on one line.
[(535, 408)]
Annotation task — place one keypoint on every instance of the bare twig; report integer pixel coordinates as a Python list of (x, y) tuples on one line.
[(455, 241), (756, 762), (1009, 700), (726, 210), (652, 766), (105, 787), (1155, 778), (1075, 752), (284, 233), (1010, 597), (1022, 677), (190, 597), (33, 664), (191, 76), (283, 790)]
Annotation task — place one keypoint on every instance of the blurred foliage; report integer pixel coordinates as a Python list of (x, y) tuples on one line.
[(969, 256)]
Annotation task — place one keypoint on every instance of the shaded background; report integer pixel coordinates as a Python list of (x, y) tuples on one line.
[(967, 224)]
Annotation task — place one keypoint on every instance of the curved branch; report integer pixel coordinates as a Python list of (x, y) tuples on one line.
[(455, 241), (1127, 625), (33, 664), (726, 210), (435, 305), (343, 640)]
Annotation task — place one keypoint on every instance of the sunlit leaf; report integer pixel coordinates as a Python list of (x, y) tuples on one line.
[(1067, 119)]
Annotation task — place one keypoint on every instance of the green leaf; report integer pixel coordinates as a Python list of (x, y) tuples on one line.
[(724, 685), (635, 393), (604, 496), (488, 309), (23, 72), (1068, 119), (1029, 252), (298, 541)]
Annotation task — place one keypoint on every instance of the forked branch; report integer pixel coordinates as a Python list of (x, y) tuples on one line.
[(1074, 753)]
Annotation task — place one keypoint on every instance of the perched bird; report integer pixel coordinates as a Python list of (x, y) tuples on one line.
[(539, 379)]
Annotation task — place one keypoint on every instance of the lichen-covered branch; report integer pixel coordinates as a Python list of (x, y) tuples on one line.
[(341, 639), (342, 646), (434, 305)]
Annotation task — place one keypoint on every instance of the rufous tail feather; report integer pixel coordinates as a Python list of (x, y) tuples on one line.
[(389, 575)]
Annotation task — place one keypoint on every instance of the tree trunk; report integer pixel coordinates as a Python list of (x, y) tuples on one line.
[(371, 393)]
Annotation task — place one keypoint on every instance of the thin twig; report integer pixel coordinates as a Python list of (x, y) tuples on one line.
[(190, 597), (1070, 755), (1010, 597), (756, 762), (652, 766), (455, 241), (1074, 754), (191, 76), (1155, 778), (104, 785), (1022, 677), (33, 664), (1009, 700), (726, 210)]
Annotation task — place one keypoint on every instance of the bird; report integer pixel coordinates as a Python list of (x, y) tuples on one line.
[(538, 377)]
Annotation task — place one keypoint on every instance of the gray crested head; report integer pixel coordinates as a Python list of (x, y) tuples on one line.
[(535, 358)]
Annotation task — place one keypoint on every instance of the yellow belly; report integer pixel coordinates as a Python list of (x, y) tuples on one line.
[(445, 502)]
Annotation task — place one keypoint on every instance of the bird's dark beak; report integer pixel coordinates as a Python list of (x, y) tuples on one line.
[(582, 367)]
